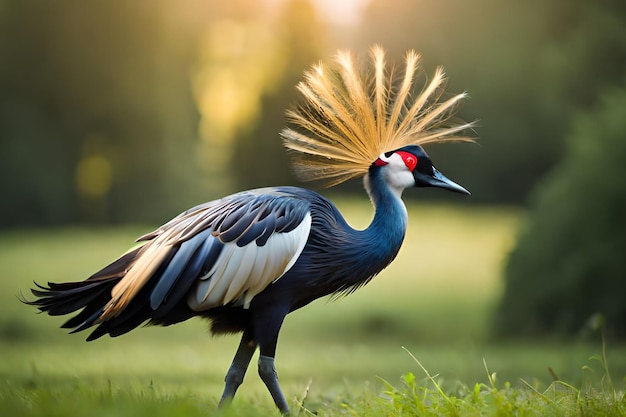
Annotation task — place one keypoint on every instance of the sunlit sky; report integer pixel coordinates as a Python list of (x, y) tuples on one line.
[(337, 12)]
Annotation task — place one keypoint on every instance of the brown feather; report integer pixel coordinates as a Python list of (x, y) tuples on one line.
[(350, 116)]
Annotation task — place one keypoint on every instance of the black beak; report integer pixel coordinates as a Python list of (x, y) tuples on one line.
[(437, 179)]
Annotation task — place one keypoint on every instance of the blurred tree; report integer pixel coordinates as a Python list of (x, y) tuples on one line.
[(99, 120), (527, 66), (97, 113), (229, 75), (568, 266), (258, 157)]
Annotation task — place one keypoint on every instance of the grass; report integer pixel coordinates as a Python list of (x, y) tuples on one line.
[(351, 357)]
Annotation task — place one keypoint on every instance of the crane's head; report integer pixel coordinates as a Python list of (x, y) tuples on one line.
[(410, 166), (352, 113)]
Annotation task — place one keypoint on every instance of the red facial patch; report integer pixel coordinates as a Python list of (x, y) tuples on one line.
[(409, 159), (379, 162)]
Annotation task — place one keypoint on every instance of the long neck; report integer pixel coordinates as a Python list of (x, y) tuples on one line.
[(340, 259), (386, 232), (369, 251)]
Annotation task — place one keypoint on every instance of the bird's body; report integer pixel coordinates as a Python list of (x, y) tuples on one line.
[(247, 260), (315, 232)]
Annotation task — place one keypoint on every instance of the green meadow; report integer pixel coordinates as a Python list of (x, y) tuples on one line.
[(415, 341)]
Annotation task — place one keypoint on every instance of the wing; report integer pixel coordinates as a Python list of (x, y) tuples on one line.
[(225, 251)]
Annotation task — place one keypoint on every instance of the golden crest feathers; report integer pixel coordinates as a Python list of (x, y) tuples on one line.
[(349, 116)]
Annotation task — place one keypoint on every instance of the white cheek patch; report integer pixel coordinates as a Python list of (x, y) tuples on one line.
[(396, 173), (396, 161)]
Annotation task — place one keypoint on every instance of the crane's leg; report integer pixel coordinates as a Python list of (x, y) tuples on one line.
[(267, 372), (238, 368), (267, 340)]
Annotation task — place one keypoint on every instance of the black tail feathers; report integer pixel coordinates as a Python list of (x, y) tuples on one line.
[(90, 297)]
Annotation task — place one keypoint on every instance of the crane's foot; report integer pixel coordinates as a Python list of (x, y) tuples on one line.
[(233, 380), (268, 374), (237, 370)]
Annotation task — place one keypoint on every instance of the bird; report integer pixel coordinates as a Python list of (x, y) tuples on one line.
[(246, 261)]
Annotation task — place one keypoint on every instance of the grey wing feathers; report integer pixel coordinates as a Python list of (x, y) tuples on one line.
[(206, 253), (241, 218)]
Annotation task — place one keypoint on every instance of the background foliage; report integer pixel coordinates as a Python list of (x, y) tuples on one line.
[(122, 111), (566, 274), (183, 102)]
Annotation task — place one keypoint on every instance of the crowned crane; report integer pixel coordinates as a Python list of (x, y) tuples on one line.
[(247, 260)]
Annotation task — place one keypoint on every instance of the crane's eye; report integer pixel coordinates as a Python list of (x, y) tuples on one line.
[(409, 159)]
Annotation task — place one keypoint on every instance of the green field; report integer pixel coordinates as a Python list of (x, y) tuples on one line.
[(435, 301)]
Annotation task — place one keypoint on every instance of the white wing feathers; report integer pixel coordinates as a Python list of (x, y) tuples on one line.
[(245, 241), (240, 273)]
